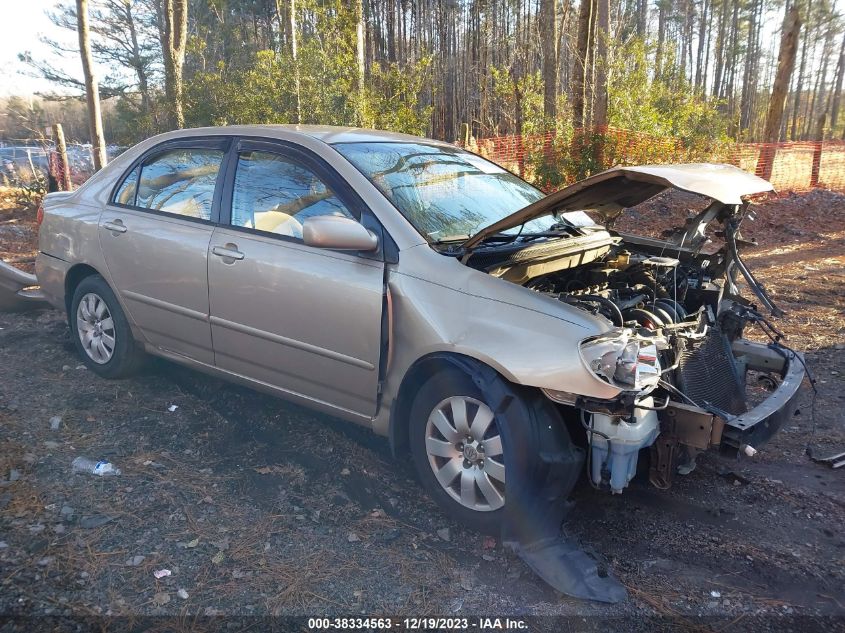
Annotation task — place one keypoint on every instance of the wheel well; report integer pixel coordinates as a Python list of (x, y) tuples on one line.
[(73, 278), (419, 372)]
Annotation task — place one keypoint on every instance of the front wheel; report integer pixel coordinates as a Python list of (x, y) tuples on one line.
[(458, 450)]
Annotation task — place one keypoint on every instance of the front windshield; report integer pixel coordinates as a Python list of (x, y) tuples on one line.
[(445, 192)]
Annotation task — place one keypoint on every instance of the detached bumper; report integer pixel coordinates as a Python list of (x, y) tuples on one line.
[(19, 290), (758, 425)]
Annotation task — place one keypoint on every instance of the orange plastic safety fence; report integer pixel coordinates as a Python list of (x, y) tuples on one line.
[(552, 160)]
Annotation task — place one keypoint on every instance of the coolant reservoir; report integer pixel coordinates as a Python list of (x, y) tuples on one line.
[(626, 440)]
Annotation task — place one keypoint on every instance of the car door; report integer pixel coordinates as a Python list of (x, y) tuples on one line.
[(154, 236), (303, 319)]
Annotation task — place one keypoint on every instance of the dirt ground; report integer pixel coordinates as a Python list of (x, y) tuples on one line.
[(258, 507)]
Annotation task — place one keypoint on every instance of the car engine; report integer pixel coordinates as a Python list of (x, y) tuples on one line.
[(676, 302)]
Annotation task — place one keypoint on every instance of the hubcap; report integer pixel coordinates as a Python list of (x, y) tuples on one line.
[(465, 453), (95, 328)]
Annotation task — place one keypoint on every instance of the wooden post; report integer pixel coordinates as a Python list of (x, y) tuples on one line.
[(61, 148), (817, 162), (817, 150)]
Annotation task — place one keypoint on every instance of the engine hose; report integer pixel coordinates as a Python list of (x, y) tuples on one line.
[(589, 428), (646, 318), (676, 307), (668, 309), (607, 303), (662, 313)]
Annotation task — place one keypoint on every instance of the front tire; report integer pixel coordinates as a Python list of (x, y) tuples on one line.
[(101, 332), (457, 448)]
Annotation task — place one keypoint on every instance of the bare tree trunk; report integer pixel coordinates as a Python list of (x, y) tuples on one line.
[(700, 74), (136, 57), (813, 91), (749, 79), (92, 93), (730, 86), (294, 54), (837, 89), (707, 49), (686, 8), (549, 29), (786, 64), (359, 56), (661, 38), (819, 97), (602, 37), (173, 40), (799, 85), (582, 71), (391, 30), (642, 14), (720, 49)]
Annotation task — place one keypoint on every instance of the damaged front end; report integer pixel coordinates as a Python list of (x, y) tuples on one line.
[(706, 386), (687, 380), (716, 389), (686, 429)]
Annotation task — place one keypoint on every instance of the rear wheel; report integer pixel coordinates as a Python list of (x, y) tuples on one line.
[(457, 447), (101, 331)]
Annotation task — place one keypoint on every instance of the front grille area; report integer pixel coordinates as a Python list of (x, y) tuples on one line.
[(707, 374)]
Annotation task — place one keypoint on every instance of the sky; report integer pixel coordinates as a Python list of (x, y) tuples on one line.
[(22, 24)]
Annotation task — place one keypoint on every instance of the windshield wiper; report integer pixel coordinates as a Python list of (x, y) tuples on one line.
[(451, 238)]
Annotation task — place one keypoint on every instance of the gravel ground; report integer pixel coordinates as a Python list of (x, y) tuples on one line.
[(259, 507)]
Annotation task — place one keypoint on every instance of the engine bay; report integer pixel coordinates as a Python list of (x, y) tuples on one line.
[(629, 286), (683, 362)]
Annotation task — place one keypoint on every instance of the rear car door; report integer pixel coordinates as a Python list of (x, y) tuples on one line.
[(155, 235), (303, 319)]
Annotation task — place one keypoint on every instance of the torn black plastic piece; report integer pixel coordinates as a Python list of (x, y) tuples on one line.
[(568, 569), (536, 498)]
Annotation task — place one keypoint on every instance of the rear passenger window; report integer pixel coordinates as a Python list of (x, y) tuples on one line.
[(180, 181), (276, 194)]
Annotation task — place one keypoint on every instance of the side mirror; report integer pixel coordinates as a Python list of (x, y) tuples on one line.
[(337, 233)]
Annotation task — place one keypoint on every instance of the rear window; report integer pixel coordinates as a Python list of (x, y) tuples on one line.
[(180, 182)]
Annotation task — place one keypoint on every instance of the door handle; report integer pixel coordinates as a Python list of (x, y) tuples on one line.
[(229, 251), (115, 226)]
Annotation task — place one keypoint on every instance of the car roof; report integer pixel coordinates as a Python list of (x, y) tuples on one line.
[(329, 134)]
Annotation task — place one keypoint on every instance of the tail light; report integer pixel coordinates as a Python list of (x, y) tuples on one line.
[(39, 215)]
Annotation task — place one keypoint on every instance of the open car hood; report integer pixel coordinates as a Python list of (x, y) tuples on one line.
[(622, 187)]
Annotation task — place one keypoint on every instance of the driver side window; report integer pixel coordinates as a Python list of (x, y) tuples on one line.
[(276, 194)]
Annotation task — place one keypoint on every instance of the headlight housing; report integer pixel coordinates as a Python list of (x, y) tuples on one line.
[(624, 359)]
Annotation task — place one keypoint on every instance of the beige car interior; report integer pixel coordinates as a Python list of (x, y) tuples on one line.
[(278, 222)]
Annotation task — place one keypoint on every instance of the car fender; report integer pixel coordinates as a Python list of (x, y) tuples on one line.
[(528, 338)]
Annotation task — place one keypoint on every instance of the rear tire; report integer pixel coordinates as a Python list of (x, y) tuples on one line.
[(464, 471), (101, 332)]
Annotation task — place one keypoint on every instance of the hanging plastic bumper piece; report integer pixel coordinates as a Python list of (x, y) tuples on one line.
[(19, 290)]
